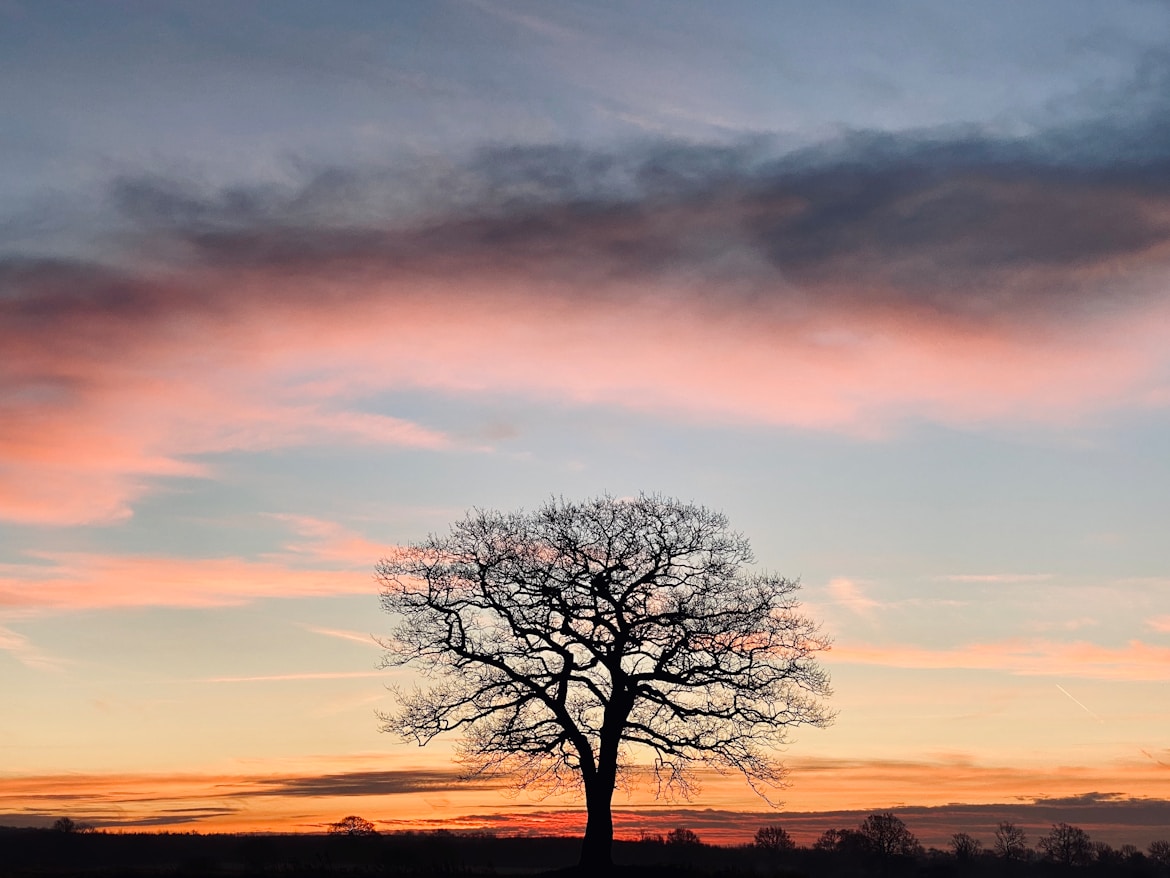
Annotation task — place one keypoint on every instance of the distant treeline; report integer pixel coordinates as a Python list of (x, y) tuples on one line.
[(880, 846)]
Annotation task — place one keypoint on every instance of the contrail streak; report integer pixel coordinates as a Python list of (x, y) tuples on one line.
[(1078, 704)]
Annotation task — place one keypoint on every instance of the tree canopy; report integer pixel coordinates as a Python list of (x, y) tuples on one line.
[(572, 643)]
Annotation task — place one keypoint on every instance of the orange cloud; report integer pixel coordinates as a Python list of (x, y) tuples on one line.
[(270, 799), (1135, 661)]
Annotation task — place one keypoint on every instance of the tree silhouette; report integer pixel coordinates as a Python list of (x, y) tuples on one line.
[(848, 842), (888, 837), (352, 825), (774, 838), (1068, 845), (1010, 842), (683, 836), (571, 643), (1159, 852), (965, 846)]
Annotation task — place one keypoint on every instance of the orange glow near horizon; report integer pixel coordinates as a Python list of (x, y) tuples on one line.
[(728, 813)]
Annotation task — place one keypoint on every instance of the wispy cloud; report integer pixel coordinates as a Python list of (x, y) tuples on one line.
[(850, 594), (79, 581), (322, 558), (328, 542), (1160, 624), (342, 634), (25, 652), (1134, 661), (1005, 578), (287, 678)]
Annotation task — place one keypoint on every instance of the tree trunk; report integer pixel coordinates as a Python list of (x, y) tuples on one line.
[(597, 847)]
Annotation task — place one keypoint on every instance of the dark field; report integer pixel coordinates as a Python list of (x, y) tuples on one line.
[(25, 853)]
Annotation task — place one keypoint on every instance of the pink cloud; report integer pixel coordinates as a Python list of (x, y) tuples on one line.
[(322, 558), (850, 595), (328, 542), (78, 581), (1134, 661), (102, 407), (1160, 623)]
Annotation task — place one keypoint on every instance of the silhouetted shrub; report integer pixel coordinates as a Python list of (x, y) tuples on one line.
[(352, 826), (683, 836), (774, 838), (842, 841)]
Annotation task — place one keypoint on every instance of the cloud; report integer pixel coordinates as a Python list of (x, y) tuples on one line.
[(1134, 661), (852, 287), (368, 783), (1160, 624), (342, 634), (284, 678), (79, 581), (322, 558), (21, 649), (420, 798), (327, 542), (849, 594), (997, 578)]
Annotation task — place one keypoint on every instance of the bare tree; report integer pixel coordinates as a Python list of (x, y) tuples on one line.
[(1010, 842), (965, 846), (1159, 852), (888, 837), (1068, 845), (774, 838), (353, 826), (683, 836), (575, 642)]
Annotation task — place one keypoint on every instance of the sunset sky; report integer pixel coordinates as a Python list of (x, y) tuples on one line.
[(284, 285)]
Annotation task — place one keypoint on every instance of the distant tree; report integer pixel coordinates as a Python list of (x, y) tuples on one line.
[(842, 841), (829, 840), (965, 847), (352, 825), (569, 643), (1104, 854), (64, 824), (774, 838), (888, 837), (683, 836), (1159, 852), (1010, 842), (1068, 845), (648, 837)]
